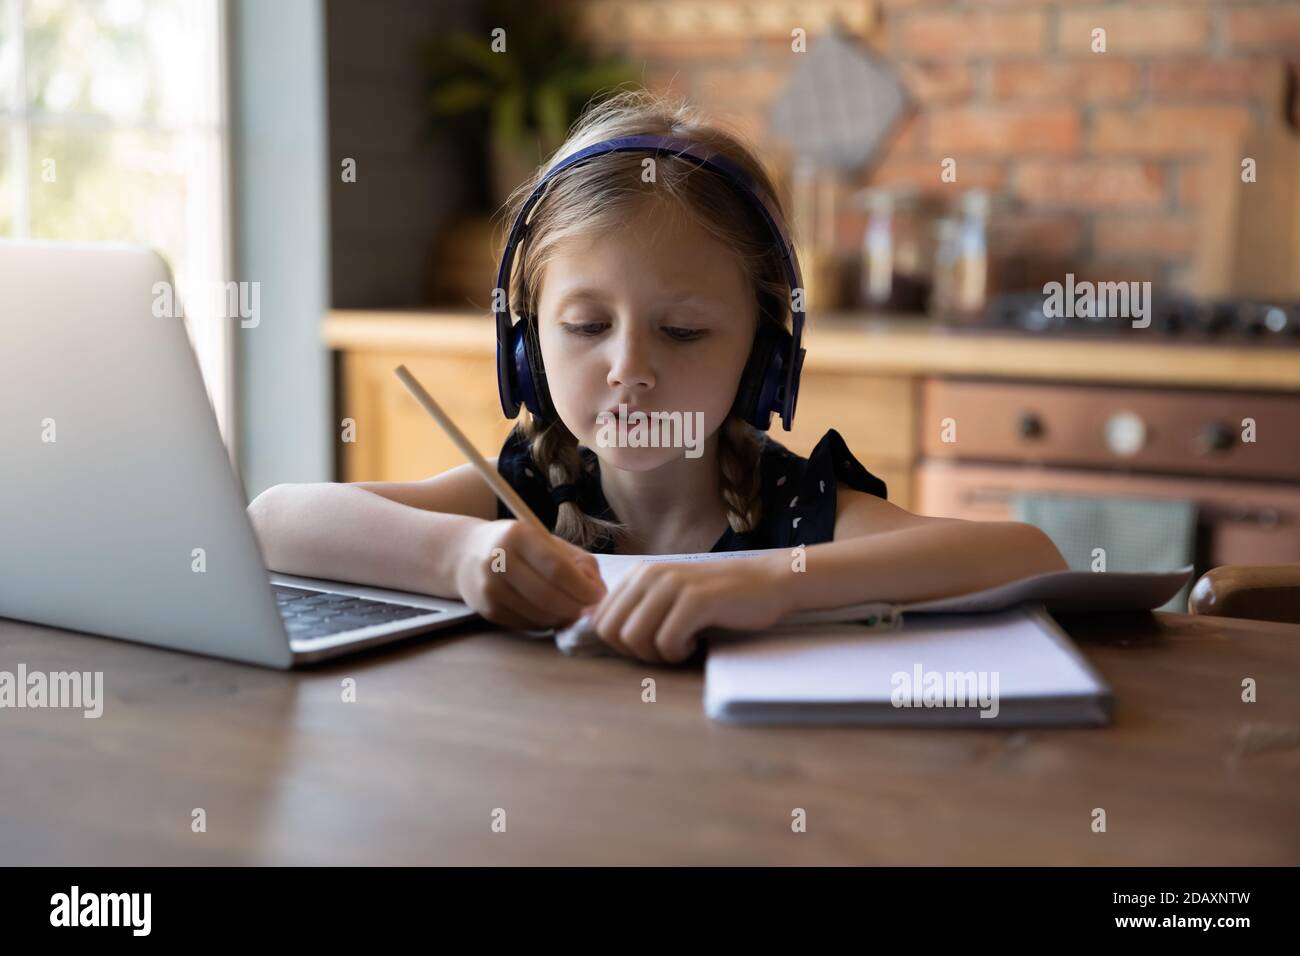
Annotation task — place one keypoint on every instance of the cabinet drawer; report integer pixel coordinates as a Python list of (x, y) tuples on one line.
[(1189, 432)]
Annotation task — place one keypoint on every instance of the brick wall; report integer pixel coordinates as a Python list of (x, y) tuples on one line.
[(1096, 157)]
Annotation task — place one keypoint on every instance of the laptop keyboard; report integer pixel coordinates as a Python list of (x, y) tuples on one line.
[(318, 613)]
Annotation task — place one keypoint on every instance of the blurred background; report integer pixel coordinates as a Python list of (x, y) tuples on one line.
[(941, 162)]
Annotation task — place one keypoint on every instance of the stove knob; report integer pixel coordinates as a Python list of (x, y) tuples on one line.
[(1217, 437), (1126, 433), (1030, 426), (1252, 322), (1221, 318), (1276, 320)]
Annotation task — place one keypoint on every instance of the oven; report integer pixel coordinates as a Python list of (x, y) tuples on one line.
[(1235, 455)]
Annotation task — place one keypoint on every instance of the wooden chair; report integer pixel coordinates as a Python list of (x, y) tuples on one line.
[(1265, 592)]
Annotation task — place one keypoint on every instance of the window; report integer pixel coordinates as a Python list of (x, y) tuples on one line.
[(112, 127)]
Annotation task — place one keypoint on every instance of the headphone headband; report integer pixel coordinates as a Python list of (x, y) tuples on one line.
[(773, 400)]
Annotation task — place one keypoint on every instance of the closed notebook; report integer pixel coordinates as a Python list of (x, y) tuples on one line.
[(1010, 668)]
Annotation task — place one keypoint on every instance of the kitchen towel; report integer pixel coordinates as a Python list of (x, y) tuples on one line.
[(1134, 534)]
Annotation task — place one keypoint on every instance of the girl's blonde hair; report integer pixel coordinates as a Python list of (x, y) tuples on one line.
[(597, 197)]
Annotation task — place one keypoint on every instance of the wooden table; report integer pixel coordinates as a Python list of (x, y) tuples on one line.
[(446, 730)]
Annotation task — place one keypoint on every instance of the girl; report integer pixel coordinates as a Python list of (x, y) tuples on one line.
[(648, 293)]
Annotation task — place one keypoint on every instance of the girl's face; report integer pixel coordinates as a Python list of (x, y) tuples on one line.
[(658, 316)]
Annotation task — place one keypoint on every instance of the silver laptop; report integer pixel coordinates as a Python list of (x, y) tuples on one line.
[(120, 513)]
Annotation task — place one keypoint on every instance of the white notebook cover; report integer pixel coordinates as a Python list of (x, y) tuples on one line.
[(1030, 673)]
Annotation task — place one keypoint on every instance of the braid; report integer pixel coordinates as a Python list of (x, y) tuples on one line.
[(554, 449), (739, 451)]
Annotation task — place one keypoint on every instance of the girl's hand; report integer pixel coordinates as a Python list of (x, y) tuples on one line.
[(519, 577), (654, 613)]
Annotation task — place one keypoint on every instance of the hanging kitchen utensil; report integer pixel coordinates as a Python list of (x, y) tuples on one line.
[(836, 111)]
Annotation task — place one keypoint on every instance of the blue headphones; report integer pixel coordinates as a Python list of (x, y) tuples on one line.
[(770, 382)]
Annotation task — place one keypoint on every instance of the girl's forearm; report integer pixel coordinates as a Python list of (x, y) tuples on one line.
[(916, 564), (343, 533)]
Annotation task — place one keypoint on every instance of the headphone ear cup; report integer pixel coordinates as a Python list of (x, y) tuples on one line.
[(767, 341), (537, 371)]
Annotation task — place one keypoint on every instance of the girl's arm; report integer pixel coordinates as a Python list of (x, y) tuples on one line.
[(882, 552), (440, 536), (343, 532)]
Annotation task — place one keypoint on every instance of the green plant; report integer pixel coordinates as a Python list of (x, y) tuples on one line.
[(529, 92)]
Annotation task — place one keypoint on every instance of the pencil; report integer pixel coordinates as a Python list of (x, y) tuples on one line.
[(498, 484)]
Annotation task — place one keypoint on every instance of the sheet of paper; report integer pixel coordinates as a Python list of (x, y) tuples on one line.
[(615, 567), (579, 639), (1058, 590)]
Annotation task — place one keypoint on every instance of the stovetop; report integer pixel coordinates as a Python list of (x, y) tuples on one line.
[(1234, 321)]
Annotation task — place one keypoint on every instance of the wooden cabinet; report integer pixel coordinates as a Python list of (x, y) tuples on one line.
[(876, 415), (883, 384), (395, 440)]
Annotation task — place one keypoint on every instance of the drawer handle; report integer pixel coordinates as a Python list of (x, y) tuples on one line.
[(1217, 437), (1268, 518)]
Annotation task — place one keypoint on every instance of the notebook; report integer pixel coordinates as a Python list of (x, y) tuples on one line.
[(1057, 590), (1010, 668)]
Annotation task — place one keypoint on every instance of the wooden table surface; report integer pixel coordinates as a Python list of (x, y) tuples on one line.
[(446, 730)]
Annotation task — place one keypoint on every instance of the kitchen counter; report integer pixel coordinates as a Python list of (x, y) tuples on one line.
[(1045, 409), (900, 346)]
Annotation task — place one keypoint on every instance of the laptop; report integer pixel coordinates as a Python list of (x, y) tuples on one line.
[(120, 512)]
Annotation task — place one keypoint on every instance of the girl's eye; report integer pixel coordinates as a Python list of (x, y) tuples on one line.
[(584, 328), (588, 329)]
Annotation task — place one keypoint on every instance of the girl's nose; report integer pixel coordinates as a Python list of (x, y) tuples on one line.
[(631, 365)]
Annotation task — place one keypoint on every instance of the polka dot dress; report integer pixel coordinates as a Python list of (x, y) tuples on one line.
[(799, 494)]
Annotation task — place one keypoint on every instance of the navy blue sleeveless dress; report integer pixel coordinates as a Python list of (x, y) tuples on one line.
[(798, 493)]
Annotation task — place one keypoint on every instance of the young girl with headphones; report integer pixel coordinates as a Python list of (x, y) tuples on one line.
[(653, 275)]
